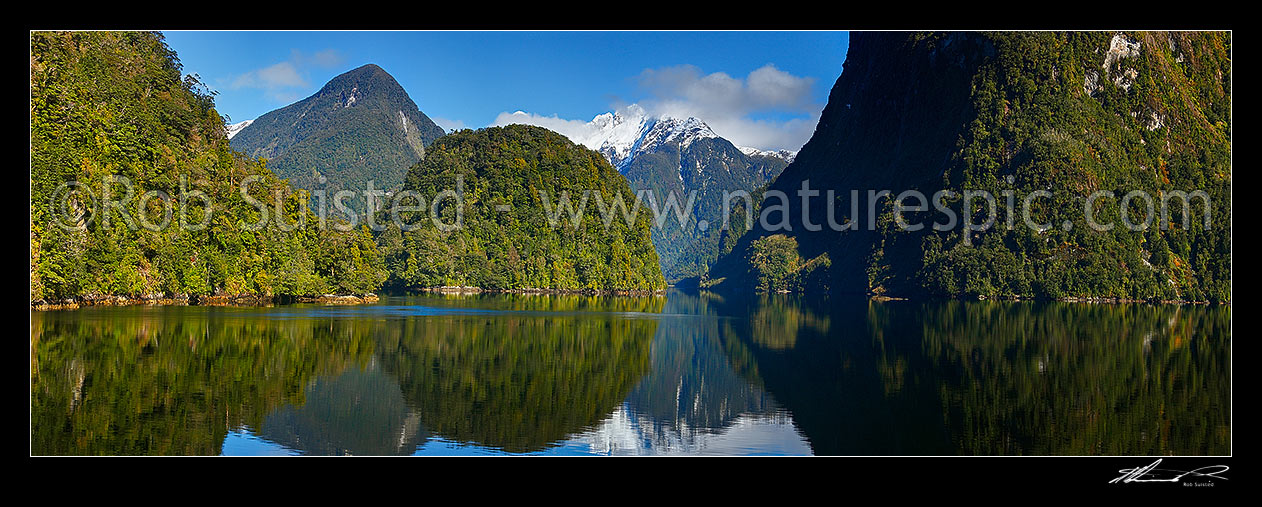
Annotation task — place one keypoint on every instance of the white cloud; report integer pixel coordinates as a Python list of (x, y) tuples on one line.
[(280, 75), (283, 81), (327, 58), (448, 124), (731, 106), (573, 129)]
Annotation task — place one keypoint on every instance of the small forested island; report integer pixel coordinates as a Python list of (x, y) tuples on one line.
[(519, 184)]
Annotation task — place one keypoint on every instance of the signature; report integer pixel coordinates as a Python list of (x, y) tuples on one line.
[(1151, 473)]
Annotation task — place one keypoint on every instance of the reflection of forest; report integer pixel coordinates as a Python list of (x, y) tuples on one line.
[(853, 376), (995, 378), (512, 382), (175, 380)]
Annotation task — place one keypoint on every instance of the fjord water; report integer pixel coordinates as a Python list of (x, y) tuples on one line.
[(679, 374)]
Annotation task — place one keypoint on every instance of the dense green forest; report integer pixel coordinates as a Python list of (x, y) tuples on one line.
[(514, 181), (1019, 112), (112, 112)]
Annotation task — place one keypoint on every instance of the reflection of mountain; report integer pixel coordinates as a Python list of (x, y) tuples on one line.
[(825, 377), (516, 382), (627, 433), (1000, 378), (693, 389), (360, 412)]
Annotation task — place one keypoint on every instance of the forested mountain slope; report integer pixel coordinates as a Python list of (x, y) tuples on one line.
[(111, 113), (1067, 113)]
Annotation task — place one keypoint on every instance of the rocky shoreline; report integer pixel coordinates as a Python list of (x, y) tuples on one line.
[(201, 300), (576, 292), (1095, 300)]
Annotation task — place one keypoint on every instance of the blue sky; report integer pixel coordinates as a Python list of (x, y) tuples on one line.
[(760, 89)]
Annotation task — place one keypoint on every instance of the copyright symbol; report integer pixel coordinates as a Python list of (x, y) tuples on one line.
[(69, 211)]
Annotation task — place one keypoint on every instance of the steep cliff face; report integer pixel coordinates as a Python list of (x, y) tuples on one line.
[(1066, 113)]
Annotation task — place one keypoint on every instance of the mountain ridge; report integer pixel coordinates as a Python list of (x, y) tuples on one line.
[(360, 126)]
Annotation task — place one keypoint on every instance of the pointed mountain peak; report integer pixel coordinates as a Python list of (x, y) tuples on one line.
[(360, 126), (355, 84), (366, 71)]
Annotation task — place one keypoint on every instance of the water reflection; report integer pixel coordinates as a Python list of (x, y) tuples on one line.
[(175, 380), (992, 378), (684, 374), (513, 382), (693, 401), (357, 412)]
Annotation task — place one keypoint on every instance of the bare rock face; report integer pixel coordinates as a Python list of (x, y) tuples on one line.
[(1121, 48)]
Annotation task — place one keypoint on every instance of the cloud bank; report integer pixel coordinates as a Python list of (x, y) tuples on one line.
[(768, 109)]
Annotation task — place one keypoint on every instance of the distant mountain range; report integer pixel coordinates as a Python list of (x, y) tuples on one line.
[(681, 156), (360, 127), (622, 135)]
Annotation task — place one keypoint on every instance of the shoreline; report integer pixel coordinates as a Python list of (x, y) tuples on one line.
[(537, 291), (244, 300), (1067, 299), (195, 300)]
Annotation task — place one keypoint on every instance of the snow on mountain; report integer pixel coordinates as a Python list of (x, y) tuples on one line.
[(236, 127), (683, 131), (630, 131), (623, 134), (784, 155), (615, 134)]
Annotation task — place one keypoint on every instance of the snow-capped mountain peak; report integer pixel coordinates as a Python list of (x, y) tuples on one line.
[(784, 155), (682, 130), (630, 131), (237, 127), (622, 134), (616, 134)]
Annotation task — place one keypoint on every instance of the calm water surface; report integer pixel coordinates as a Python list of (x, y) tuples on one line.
[(680, 374)]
